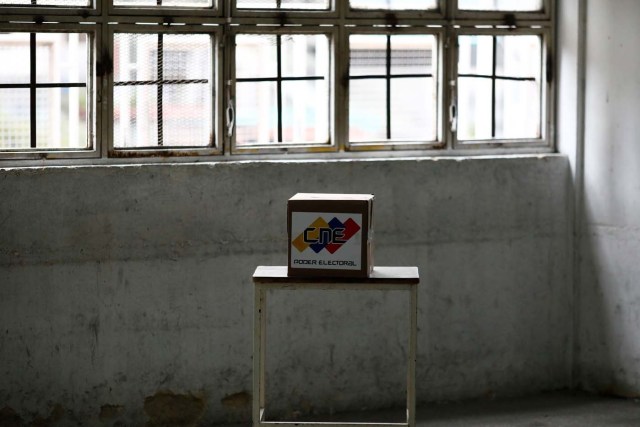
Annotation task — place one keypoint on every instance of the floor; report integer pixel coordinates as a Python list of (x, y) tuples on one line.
[(557, 409), (562, 409)]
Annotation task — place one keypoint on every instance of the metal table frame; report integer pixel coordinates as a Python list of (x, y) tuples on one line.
[(383, 278)]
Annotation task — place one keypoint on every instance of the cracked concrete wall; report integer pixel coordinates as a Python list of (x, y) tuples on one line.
[(609, 291), (126, 298)]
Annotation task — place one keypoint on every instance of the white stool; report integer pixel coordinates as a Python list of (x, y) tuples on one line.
[(382, 278)]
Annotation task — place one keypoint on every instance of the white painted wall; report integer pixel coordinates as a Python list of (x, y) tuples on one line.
[(119, 282), (609, 284)]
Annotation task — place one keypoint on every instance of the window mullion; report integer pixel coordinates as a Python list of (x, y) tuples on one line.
[(340, 88), (494, 63), (449, 88)]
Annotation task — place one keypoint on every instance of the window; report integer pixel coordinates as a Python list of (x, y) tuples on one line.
[(499, 93), (205, 79), (392, 87), (162, 90), (44, 91), (282, 88)]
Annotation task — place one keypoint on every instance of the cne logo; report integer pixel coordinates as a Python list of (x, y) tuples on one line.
[(330, 235)]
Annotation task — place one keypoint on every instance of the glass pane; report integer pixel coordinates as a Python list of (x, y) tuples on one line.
[(475, 55), (412, 54), (14, 50), (367, 54), (61, 58), (394, 4), (135, 57), (165, 3), (135, 116), (187, 57), (256, 113), (513, 110), (501, 5), (305, 55), (305, 111), (413, 109), (256, 56), (61, 118), (304, 88), (61, 113), (517, 109), (186, 114), (474, 108), (67, 3), (284, 4), (518, 56), (185, 86), (367, 110), (15, 128)]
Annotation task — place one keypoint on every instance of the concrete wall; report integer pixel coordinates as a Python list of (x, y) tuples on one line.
[(125, 292), (609, 284)]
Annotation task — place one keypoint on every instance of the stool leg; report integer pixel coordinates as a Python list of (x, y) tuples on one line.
[(259, 347), (411, 374), (263, 347)]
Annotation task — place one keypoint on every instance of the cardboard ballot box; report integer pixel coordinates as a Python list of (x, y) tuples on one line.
[(330, 235)]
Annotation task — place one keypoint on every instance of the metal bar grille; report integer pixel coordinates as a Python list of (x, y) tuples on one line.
[(32, 89), (484, 76), (275, 79), (160, 75), (388, 85), (40, 85), (494, 65), (279, 84), (392, 76)]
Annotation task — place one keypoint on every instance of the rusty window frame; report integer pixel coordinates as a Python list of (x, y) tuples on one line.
[(339, 20)]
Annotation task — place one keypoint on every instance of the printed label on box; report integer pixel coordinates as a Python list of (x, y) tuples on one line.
[(324, 240)]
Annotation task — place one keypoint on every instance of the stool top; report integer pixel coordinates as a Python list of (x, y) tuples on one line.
[(387, 275)]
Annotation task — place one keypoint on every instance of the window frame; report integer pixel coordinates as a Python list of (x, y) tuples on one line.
[(282, 16), (331, 145), (29, 12), (224, 20), (216, 101), (545, 14), (390, 145), (94, 94), (169, 13), (392, 16), (546, 93)]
